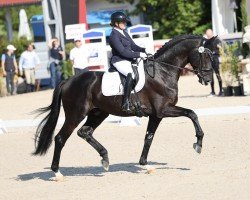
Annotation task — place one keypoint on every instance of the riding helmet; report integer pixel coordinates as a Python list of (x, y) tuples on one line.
[(118, 17)]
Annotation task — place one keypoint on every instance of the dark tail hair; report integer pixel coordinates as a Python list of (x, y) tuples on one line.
[(46, 128)]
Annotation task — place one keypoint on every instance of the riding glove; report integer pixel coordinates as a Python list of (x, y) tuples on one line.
[(143, 55)]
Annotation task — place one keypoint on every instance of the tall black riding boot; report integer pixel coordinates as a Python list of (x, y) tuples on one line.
[(127, 92)]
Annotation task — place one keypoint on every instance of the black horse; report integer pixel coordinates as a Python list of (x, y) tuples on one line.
[(81, 96)]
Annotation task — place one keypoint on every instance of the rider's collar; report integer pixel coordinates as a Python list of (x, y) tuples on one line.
[(121, 31)]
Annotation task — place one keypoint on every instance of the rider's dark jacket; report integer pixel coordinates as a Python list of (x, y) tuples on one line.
[(123, 47)]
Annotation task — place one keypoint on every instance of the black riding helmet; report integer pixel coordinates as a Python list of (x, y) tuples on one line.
[(118, 17)]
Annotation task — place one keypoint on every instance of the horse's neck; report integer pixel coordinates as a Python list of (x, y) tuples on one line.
[(176, 57), (170, 64)]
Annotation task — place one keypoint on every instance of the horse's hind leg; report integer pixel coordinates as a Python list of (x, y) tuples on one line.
[(60, 139), (95, 118)]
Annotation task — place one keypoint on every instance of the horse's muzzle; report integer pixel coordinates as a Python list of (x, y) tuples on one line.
[(207, 82), (204, 82)]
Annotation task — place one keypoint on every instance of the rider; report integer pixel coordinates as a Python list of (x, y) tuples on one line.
[(124, 50)]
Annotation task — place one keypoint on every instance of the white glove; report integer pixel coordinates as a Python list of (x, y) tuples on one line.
[(143, 55)]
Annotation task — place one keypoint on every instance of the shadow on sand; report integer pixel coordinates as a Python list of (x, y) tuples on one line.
[(194, 96), (94, 171)]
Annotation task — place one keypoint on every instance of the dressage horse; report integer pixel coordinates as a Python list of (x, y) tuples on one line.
[(82, 97)]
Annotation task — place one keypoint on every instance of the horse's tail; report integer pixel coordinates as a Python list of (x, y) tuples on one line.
[(45, 129)]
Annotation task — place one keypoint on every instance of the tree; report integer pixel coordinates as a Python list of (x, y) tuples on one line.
[(174, 17), (243, 5), (30, 10), (244, 15)]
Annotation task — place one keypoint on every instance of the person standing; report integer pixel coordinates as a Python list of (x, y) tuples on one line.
[(56, 56), (28, 62), (9, 66), (215, 63), (78, 57)]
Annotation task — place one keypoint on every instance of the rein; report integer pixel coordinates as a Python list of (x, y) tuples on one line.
[(175, 66), (150, 58)]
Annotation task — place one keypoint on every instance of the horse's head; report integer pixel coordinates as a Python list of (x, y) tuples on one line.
[(201, 60), (184, 49)]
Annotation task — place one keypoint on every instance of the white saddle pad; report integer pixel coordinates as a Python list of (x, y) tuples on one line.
[(111, 82)]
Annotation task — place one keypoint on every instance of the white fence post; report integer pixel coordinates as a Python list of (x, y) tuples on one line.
[(142, 36), (95, 42)]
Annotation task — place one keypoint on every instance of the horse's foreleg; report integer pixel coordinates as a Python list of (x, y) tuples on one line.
[(152, 126), (95, 118), (176, 111)]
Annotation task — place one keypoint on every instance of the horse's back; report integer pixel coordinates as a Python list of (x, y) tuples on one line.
[(83, 80), (81, 85)]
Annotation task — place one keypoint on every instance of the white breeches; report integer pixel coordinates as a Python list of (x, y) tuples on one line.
[(124, 67)]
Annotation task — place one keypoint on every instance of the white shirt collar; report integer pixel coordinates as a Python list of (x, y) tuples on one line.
[(121, 31)]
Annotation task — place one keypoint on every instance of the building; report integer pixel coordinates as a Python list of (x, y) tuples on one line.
[(99, 12), (224, 16)]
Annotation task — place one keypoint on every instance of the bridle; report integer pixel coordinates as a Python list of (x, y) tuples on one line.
[(199, 71)]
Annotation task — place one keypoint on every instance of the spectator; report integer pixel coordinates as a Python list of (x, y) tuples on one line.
[(78, 57), (28, 62), (9, 66), (56, 56), (215, 63)]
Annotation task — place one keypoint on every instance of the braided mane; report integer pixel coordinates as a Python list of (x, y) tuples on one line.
[(173, 42)]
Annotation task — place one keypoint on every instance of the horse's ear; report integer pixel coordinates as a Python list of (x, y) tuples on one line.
[(213, 38)]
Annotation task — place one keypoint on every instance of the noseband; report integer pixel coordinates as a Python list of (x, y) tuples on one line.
[(202, 50), (199, 71)]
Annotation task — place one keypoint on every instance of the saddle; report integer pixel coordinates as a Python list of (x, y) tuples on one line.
[(113, 84)]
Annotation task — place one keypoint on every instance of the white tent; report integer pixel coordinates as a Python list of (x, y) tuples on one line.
[(24, 29), (223, 17)]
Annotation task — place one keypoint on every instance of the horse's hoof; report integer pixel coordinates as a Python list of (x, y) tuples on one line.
[(58, 177), (149, 169), (197, 147), (105, 164)]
